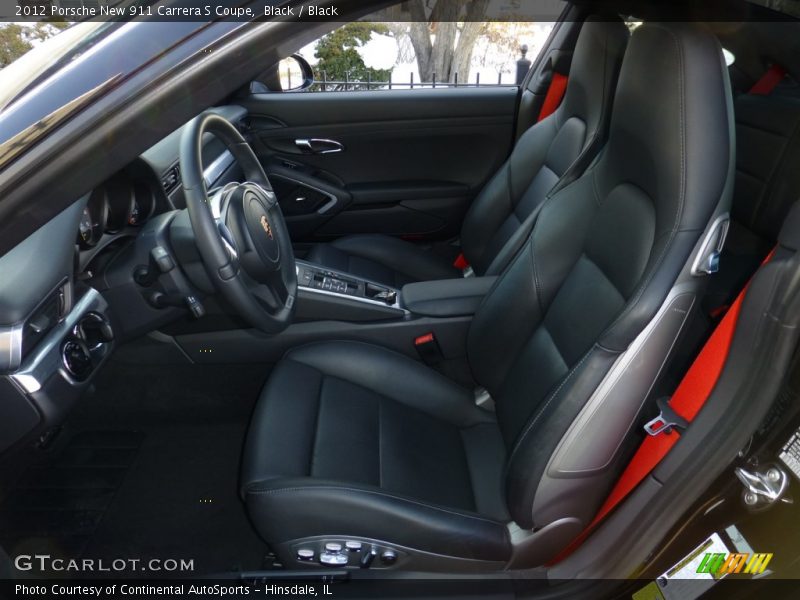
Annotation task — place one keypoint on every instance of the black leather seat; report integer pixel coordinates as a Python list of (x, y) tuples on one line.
[(767, 184), (491, 229), (353, 442)]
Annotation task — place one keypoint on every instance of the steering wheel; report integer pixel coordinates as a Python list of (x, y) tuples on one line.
[(240, 231)]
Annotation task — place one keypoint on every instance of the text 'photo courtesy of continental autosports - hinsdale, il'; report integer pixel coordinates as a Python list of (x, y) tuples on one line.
[(406, 299)]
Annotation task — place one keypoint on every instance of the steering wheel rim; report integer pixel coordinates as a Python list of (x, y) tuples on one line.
[(246, 247)]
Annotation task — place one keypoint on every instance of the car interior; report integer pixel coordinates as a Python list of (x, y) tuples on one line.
[(396, 330)]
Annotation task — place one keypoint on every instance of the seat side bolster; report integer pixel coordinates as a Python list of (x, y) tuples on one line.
[(295, 508)]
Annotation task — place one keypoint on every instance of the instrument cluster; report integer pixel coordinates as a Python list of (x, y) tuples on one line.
[(119, 204)]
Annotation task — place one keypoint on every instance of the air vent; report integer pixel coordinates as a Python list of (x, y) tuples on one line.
[(171, 179)]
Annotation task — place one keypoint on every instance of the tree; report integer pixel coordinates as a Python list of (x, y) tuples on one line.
[(16, 40), (444, 37), (13, 44), (340, 59)]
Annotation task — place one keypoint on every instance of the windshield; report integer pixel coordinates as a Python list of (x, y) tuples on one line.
[(29, 52)]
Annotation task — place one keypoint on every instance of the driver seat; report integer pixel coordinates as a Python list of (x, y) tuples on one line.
[(354, 443)]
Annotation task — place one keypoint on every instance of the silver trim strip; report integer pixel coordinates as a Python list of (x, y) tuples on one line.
[(308, 145), (215, 170), (10, 347), (395, 306), (334, 200), (632, 363), (716, 235), (46, 359)]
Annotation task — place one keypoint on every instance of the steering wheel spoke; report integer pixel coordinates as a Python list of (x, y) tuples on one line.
[(239, 230)]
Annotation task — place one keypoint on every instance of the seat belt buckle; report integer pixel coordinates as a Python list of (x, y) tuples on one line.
[(462, 264), (428, 349), (666, 421)]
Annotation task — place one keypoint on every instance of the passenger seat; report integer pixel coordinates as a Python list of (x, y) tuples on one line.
[(493, 226), (767, 184)]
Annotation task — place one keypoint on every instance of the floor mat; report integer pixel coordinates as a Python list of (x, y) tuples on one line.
[(147, 467), (57, 505), (180, 501)]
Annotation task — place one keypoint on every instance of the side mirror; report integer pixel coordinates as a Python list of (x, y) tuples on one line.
[(295, 74), (292, 74)]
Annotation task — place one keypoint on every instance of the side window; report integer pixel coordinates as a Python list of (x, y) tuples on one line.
[(423, 51)]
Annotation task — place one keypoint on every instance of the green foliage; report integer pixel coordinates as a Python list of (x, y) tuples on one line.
[(12, 44), (339, 57), (16, 40)]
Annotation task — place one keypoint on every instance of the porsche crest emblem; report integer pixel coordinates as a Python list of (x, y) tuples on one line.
[(266, 226)]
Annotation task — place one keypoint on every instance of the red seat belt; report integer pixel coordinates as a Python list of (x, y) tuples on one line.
[(690, 396), (769, 81), (461, 262), (555, 93)]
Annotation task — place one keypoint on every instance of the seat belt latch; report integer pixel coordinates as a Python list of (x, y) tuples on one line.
[(428, 349), (463, 265), (666, 421)]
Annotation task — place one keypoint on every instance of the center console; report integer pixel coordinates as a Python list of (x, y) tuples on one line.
[(334, 305), (324, 293)]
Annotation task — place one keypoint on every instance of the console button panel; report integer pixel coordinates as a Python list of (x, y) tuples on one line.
[(314, 277)]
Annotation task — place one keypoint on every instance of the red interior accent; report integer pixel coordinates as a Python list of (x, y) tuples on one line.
[(461, 262), (555, 93), (719, 311), (690, 396), (423, 339), (769, 81)]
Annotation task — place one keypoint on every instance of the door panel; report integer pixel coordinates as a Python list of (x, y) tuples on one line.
[(410, 162)]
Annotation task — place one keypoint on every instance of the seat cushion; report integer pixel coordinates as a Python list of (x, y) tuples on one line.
[(383, 259), (353, 439)]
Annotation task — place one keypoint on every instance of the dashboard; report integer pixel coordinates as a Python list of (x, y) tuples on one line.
[(118, 208), (119, 203), (59, 308)]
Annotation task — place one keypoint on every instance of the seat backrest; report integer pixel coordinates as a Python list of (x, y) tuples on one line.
[(577, 329), (767, 183), (545, 152), (768, 156)]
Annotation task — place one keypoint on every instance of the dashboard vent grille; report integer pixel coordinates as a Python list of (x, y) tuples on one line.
[(171, 179)]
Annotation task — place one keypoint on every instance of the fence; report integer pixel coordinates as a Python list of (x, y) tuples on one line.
[(326, 85)]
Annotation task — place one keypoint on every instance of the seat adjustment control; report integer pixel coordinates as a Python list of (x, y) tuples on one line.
[(305, 554), (389, 557), (333, 559), (368, 557), (353, 545)]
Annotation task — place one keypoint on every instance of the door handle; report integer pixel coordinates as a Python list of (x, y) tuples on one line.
[(318, 145)]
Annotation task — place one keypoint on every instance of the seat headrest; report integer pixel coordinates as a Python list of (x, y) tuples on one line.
[(671, 131), (593, 72)]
